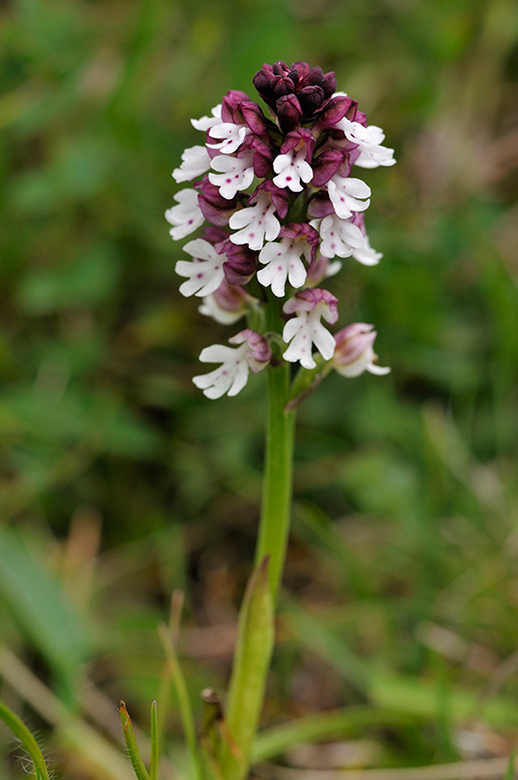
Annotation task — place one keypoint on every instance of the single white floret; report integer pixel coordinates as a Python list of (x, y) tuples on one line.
[(230, 377), (348, 195), (305, 331), (340, 237), (291, 168), (257, 223), (232, 137), (252, 354), (283, 263), (205, 272), (369, 140), (234, 174), (185, 217), (195, 162)]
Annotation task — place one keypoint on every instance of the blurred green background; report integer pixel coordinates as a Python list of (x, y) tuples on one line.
[(120, 482)]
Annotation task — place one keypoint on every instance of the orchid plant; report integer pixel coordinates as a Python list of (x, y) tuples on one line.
[(280, 209)]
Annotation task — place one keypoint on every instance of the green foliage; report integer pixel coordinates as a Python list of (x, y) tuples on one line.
[(123, 483)]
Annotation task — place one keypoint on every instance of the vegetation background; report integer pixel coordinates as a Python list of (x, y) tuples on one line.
[(120, 482)]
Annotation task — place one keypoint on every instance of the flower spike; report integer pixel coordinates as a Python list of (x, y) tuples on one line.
[(278, 205)]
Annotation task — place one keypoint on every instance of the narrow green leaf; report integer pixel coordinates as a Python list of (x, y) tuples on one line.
[(21, 731), (131, 743), (323, 726), (184, 702), (153, 766), (511, 772)]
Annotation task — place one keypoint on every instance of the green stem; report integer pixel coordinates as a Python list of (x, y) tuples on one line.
[(256, 621), (278, 479)]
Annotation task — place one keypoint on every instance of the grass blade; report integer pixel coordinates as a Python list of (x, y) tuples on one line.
[(184, 702), (153, 765), (511, 772), (21, 731), (131, 743)]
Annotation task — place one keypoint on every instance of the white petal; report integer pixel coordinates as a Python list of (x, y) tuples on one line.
[(241, 378), (297, 272), (216, 353), (324, 342), (201, 249), (206, 122)]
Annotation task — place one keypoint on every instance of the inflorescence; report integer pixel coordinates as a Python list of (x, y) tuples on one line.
[(281, 205)]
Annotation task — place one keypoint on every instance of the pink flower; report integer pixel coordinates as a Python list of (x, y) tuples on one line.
[(354, 353)]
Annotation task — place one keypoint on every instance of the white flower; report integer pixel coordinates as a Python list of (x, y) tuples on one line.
[(195, 162), (253, 354), (205, 272), (366, 255), (206, 122), (230, 377), (232, 135), (354, 353), (185, 217), (258, 222), (306, 330), (340, 237), (369, 140), (283, 261), (291, 168), (344, 194), (236, 174)]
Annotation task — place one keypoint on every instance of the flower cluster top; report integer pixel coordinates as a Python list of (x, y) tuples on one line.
[(278, 205)]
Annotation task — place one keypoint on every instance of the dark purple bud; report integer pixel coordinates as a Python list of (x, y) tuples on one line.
[(241, 262), (280, 68), (254, 117), (303, 70), (320, 206), (329, 84), (214, 207), (326, 165), (231, 104), (297, 138), (214, 235), (336, 109), (294, 74), (289, 112), (263, 155), (284, 86), (265, 80), (310, 99)]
